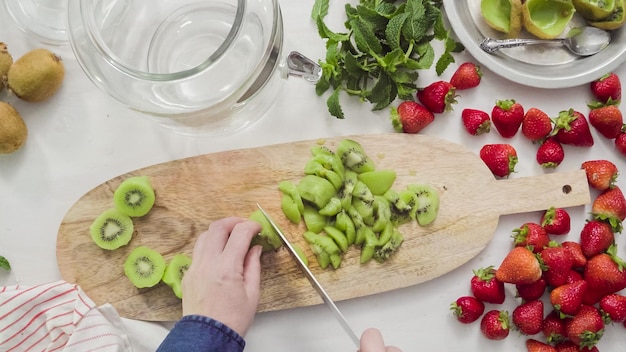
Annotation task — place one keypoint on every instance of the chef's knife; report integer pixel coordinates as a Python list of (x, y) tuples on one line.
[(316, 285)]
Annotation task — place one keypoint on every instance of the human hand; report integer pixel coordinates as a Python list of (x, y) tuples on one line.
[(372, 341), (223, 281)]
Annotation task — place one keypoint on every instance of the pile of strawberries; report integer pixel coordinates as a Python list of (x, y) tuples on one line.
[(577, 283), (570, 127)]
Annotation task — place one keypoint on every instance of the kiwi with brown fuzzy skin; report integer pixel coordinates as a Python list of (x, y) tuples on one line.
[(36, 76), (13, 131), (6, 60)]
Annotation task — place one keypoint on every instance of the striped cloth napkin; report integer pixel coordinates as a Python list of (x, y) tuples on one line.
[(57, 316)]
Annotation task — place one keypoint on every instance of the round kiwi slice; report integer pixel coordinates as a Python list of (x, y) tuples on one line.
[(144, 267), (174, 272), (112, 229), (134, 196)]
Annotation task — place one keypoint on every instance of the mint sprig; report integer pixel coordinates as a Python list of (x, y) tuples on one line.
[(387, 42)]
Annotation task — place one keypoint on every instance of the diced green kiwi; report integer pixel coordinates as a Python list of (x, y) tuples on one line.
[(289, 188), (313, 167), (427, 203), (353, 156), (344, 222), (381, 212), (290, 209), (144, 267), (385, 251), (300, 253), (174, 272), (339, 237), (332, 207), (378, 181), (134, 196), (267, 238), (313, 220), (316, 190), (112, 229)]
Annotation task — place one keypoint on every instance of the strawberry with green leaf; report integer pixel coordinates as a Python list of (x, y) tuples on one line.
[(466, 76), (586, 328), (550, 153), (410, 117), (595, 237), (438, 96), (567, 299), (495, 324), (531, 235), (571, 128), (605, 275), (610, 206), (476, 122), (467, 309), (528, 317), (485, 287), (507, 116), (520, 266), (536, 125), (556, 221), (606, 119), (607, 88), (500, 158), (601, 174)]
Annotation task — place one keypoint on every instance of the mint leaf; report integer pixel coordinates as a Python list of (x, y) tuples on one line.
[(415, 25), (333, 105), (4, 263), (393, 32), (364, 37), (320, 9)]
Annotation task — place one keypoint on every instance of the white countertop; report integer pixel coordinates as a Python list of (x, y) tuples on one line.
[(81, 138)]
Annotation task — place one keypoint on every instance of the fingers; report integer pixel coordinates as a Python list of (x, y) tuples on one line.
[(213, 241), (252, 272), (371, 340), (239, 241)]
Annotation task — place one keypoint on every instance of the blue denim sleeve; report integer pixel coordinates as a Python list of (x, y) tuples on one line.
[(195, 333)]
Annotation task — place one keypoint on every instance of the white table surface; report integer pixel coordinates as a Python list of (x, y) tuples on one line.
[(81, 138)]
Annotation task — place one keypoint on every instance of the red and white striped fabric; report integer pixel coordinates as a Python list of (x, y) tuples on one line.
[(57, 316)]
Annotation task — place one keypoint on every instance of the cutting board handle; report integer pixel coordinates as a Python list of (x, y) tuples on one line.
[(534, 193)]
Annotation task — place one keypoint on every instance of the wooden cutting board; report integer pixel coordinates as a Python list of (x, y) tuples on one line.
[(193, 192)]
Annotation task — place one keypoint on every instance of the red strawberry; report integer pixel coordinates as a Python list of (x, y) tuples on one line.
[(536, 125), (569, 346), (467, 309), (538, 346), (557, 263), (495, 324), (571, 128), (520, 266), (607, 120), (567, 299), (485, 287), (550, 153), (532, 291), (466, 76), (553, 327), (476, 122), (614, 306), (610, 206), (576, 253), (607, 88), (499, 158), (586, 328), (528, 317), (532, 235), (437, 96), (573, 276), (556, 221), (595, 238), (601, 174), (507, 117), (620, 142), (410, 117), (605, 275)]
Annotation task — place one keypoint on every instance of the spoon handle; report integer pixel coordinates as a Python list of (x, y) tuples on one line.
[(490, 45)]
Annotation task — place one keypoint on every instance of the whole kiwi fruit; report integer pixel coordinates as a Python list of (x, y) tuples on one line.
[(13, 131), (6, 60), (36, 76)]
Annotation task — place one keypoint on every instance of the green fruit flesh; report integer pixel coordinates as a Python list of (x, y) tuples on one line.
[(174, 272), (316, 190), (111, 229), (547, 19), (378, 181), (134, 196), (267, 238), (144, 267), (502, 15), (594, 10), (353, 157), (427, 205)]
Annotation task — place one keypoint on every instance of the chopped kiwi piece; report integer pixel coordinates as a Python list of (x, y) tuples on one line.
[(316, 190), (300, 253), (134, 196), (267, 238), (144, 267), (313, 220), (353, 156), (174, 272), (112, 229), (427, 203), (290, 209), (378, 181)]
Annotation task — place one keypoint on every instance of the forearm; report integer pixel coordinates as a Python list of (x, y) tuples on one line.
[(195, 333)]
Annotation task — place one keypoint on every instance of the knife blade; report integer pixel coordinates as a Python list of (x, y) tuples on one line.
[(316, 285)]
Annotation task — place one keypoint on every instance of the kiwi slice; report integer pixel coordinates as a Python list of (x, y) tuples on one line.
[(316, 190), (144, 267), (134, 196), (427, 204), (267, 238), (174, 272), (378, 181), (112, 229), (353, 156)]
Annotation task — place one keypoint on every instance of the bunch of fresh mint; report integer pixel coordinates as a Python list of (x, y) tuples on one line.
[(378, 58)]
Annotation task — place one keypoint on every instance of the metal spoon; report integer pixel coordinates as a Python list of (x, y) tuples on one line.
[(585, 41)]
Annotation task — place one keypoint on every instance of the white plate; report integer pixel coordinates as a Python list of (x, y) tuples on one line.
[(542, 66)]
